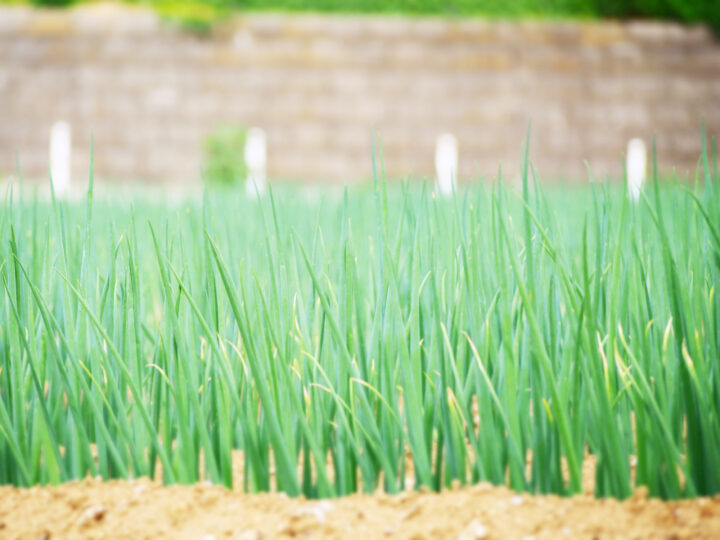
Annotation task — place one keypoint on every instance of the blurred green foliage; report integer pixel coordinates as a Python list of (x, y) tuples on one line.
[(193, 15), (682, 10), (51, 3), (689, 11), (225, 155), (200, 15)]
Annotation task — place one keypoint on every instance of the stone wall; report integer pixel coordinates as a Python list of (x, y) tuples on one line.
[(321, 85)]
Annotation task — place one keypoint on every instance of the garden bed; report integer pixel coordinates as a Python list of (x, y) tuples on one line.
[(145, 509), (348, 356)]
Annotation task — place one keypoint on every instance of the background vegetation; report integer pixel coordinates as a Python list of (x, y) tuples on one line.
[(203, 13)]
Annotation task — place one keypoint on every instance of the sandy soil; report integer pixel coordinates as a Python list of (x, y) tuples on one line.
[(145, 509)]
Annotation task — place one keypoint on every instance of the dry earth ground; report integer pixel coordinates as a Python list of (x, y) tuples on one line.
[(145, 509)]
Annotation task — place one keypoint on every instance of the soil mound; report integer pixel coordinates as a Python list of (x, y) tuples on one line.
[(144, 509)]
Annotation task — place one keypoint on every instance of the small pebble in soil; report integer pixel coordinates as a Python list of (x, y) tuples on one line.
[(249, 535), (706, 509), (414, 511), (474, 531), (94, 513), (317, 510)]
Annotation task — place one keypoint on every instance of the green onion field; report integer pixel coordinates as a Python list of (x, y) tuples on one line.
[(327, 337)]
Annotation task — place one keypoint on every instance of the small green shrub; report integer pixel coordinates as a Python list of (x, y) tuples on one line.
[(224, 159), (193, 16)]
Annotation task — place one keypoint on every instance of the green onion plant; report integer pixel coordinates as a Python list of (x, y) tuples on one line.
[(371, 339)]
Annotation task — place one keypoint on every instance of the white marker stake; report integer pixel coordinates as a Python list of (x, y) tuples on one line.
[(446, 162), (636, 167), (256, 160), (60, 148)]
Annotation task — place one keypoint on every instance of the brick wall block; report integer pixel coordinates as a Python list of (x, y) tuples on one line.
[(322, 86)]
